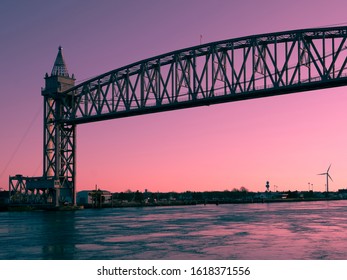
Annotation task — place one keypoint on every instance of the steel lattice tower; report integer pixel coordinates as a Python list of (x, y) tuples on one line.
[(59, 138)]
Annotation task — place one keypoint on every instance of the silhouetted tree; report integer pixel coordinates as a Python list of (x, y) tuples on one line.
[(138, 197)]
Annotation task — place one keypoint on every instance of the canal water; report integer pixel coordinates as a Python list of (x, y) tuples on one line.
[(268, 231)]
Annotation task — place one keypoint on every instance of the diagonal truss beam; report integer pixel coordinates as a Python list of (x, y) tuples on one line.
[(218, 72)]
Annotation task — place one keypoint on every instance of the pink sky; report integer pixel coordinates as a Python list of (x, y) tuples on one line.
[(287, 140)]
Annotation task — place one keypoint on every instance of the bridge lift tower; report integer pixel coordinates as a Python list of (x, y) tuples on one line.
[(57, 185)]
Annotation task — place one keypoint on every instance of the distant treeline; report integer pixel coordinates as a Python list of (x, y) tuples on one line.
[(228, 195)]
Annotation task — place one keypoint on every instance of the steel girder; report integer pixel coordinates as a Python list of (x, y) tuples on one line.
[(59, 151), (59, 143), (225, 71), (21, 191)]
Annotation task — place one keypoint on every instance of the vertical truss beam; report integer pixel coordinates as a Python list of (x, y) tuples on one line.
[(59, 149)]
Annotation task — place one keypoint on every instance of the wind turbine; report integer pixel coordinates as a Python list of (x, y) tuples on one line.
[(328, 176)]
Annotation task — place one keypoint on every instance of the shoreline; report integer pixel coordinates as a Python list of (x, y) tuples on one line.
[(23, 207)]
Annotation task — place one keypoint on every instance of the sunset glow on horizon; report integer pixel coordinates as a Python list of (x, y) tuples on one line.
[(286, 140)]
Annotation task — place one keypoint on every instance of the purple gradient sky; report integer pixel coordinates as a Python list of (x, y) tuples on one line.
[(286, 140)]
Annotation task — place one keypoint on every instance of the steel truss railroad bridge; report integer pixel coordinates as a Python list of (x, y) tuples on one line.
[(225, 71)]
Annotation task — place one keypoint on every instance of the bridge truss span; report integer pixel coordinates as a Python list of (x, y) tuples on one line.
[(224, 71)]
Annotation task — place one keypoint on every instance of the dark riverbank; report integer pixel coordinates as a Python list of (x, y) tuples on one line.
[(23, 207), (105, 199), (214, 202)]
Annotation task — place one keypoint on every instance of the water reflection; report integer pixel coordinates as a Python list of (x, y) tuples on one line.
[(59, 235), (306, 230)]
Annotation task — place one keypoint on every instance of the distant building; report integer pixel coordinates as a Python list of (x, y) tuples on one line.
[(86, 198), (267, 186)]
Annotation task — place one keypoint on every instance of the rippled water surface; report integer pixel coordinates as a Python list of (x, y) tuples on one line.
[(301, 230)]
